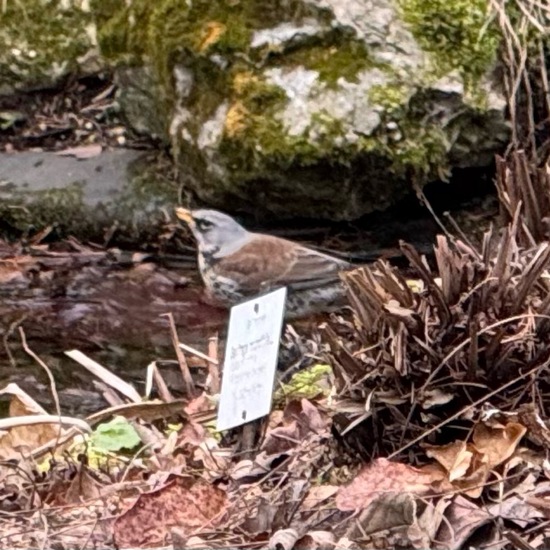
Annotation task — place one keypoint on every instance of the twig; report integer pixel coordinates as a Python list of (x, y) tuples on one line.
[(46, 529), (461, 234), (249, 434), (466, 409), (84, 545), (424, 200), (213, 365), (9, 331), (45, 367), (188, 384)]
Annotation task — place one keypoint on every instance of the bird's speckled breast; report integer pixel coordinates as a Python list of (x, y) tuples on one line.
[(222, 288)]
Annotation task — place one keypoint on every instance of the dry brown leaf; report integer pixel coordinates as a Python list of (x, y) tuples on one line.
[(422, 532), (83, 487), (435, 398), (11, 274), (199, 404), (540, 503), (191, 435), (21, 403), (473, 484), (540, 498), (21, 440), (497, 444), (318, 494), (382, 477), (345, 543), (301, 419), (463, 519), (181, 542), (468, 465), (282, 439), (537, 428), (455, 457), (245, 468), (262, 521), (516, 509), (183, 502), (390, 511)]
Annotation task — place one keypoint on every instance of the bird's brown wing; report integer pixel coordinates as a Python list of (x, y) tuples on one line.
[(271, 261)]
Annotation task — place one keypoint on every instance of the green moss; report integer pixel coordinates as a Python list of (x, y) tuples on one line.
[(339, 58), (150, 190), (421, 151), (41, 40), (257, 142), (123, 28), (166, 29), (174, 31), (150, 184), (259, 145), (407, 138), (457, 33), (256, 146), (390, 97), (171, 32), (45, 208), (251, 122)]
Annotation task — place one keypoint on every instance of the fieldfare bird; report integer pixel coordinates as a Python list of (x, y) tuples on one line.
[(236, 264)]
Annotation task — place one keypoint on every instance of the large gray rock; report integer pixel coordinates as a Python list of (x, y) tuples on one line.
[(115, 191), (323, 108)]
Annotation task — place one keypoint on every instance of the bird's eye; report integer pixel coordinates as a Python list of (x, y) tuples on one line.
[(204, 225)]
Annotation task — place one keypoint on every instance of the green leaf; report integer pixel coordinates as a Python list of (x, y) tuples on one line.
[(114, 436), (308, 383)]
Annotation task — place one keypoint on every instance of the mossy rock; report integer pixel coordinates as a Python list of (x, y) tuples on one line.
[(119, 194), (289, 108), (42, 41)]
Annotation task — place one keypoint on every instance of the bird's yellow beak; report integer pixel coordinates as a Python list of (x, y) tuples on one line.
[(184, 215)]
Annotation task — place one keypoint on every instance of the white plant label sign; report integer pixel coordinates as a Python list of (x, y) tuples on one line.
[(250, 359)]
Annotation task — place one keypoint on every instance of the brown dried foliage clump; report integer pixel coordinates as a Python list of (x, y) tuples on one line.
[(470, 331)]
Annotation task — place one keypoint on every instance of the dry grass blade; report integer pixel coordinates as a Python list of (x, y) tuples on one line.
[(103, 374), (423, 272), (524, 32), (213, 365), (35, 419), (164, 392), (526, 191), (481, 321), (532, 273), (198, 354)]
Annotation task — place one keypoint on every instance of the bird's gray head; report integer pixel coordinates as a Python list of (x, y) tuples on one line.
[(217, 234)]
